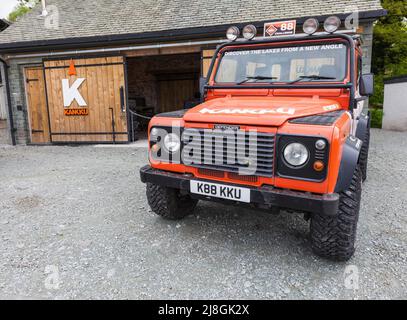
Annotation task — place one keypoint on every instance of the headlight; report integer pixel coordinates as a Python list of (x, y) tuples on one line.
[(310, 26), (172, 143), (154, 132), (296, 154)]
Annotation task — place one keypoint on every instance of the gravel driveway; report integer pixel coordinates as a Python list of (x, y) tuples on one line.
[(74, 224)]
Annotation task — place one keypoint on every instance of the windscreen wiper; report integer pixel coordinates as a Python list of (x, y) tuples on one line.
[(257, 78), (311, 77)]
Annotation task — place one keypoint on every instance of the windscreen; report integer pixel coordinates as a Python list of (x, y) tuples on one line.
[(284, 64)]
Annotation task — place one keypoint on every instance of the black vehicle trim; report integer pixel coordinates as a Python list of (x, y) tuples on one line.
[(173, 158), (172, 114), (305, 172), (394, 80), (326, 204), (350, 159), (322, 119), (362, 127)]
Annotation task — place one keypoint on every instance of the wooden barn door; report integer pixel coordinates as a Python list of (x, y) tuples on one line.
[(176, 89), (37, 105), (87, 100)]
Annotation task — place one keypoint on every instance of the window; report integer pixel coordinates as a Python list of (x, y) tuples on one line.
[(285, 64)]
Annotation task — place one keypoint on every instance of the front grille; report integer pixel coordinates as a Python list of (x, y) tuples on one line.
[(211, 173), (216, 150), (235, 176)]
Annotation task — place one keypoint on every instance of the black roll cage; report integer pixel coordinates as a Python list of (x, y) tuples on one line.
[(351, 85)]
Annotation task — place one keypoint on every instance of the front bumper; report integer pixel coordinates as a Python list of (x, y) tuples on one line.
[(326, 204)]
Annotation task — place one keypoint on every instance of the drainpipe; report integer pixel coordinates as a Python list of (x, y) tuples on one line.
[(44, 8), (8, 95)]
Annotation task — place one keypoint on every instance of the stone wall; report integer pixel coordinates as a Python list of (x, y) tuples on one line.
[(367, 37), (3, 99), (4, 132), (18, 99)]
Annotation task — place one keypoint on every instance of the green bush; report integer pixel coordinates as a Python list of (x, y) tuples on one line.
[(376, 117), (376, 101), (22, 7)]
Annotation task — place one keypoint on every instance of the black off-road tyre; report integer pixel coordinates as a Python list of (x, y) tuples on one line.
[(169, 203), (334, 237), (364, 155)]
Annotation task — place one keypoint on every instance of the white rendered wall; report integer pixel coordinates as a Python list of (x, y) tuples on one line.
[(395, 106)]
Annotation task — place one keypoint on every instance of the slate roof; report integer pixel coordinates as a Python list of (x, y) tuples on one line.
[(91, 18)]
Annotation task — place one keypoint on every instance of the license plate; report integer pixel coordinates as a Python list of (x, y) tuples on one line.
[(220, 191)]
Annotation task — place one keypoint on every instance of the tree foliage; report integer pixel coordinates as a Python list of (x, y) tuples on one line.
[(389, 45), (21, 9)]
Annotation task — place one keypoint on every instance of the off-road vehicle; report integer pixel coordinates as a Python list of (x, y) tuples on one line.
[(281, 125)]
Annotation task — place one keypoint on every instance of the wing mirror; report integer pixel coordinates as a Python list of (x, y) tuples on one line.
[(366, 85), (202, 83)]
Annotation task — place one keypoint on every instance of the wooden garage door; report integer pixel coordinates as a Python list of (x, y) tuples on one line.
[(176, 89), (86, 99), (37, 105)]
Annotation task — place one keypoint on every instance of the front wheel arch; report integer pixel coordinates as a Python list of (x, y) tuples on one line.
[(363, 126), (349, 163)]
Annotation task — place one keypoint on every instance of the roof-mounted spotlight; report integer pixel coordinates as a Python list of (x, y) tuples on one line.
[(233, 33), (249, 32), (332, 24), (310, 26)]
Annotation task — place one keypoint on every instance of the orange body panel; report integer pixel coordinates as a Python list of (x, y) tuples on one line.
[(246, 108), (336, 135)]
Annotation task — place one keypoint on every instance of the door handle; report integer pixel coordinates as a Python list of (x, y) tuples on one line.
[(122, 100)]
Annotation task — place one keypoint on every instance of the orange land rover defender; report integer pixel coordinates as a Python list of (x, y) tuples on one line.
[(281, 125)]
